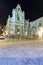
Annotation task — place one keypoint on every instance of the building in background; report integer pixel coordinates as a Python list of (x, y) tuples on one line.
[(17, 24), (36, 27)]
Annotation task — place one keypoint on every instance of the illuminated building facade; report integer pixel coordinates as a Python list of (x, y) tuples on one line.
[(17, 24), (36, 27)]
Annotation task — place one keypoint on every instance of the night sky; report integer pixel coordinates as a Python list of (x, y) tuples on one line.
[(33, 9)]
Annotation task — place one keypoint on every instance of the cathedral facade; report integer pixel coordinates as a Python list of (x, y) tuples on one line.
[(17, 24)]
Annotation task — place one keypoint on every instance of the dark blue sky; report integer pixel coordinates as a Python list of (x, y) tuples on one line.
[(32, 8)]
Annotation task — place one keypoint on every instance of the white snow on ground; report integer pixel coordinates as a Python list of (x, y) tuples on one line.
[(21, 51)]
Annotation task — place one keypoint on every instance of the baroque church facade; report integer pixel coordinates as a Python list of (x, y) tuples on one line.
[(17, 24)]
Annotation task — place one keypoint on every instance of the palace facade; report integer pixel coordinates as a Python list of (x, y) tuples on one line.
[(36, 27)]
